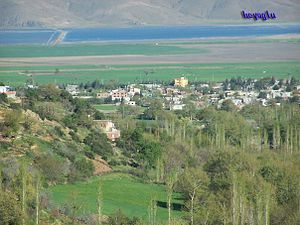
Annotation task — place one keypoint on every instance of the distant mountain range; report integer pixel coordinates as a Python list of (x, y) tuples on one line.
[(91, 13)]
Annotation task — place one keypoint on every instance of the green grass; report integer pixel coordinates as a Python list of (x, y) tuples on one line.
[(135, 73), (106, 107), (120, 191), (12, 51), (235, 41)]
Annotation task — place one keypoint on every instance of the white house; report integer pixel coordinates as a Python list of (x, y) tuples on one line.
[(4, 89), (72, 89), (133, 90), (7, 90)]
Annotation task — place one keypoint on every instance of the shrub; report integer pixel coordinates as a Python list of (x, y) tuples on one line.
[(120, 219), (10, 210), (85, 166), (54, 170)]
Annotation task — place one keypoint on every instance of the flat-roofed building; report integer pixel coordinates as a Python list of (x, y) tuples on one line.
[(118, 94), (181, 82)]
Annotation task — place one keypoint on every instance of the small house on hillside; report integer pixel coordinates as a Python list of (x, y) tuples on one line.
[(7, 90), (108, 127)]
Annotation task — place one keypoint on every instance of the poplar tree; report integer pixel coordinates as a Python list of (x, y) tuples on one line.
[(193, 181), (99, 203), (24, 190), (37, 199), (170, 182), (152, 211)]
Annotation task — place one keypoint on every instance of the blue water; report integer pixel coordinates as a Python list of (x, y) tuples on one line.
[(182, 32), (143, 33), (25, 36)]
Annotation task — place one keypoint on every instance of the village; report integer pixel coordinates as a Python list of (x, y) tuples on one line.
[(175, 95), (179, 94)]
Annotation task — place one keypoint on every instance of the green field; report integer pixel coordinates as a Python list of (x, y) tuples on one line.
[(94, 49), (136, 73), (17, 51), (120, 191), (105, 107)]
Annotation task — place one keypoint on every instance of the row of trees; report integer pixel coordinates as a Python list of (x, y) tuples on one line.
[(221, 160)]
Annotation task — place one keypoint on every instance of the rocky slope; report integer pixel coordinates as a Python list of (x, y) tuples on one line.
[(83, 13)]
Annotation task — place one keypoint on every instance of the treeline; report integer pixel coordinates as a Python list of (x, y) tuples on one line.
[(233, 167)]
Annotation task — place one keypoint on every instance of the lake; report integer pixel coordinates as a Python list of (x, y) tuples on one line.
[(49, 36)]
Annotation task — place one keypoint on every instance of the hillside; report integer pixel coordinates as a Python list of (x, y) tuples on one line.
[(81, 13), (200, 163)]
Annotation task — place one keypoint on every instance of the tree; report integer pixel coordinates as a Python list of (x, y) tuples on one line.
[(190, 109), (85, 167), (99, 143), (49, 92), (37, 200), (170, 182), (10, 210), (3, 98), (154, 109), (99, 203), (11, 124), (192, 182), (150, 151), (99, 115), (120, 219), (24, 190), (152, 211), (228, 106), (53, 169)]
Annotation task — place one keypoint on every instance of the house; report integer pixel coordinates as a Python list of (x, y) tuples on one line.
[(204, 85), (11, 94), (7, 90), (133, 90), (229, 93), (181, 82), (171, 91), (286, 95), (151, 86), (296, 93), (108, 127), (217, 86), (31, 86), (148, 94), (103, 95), (73, 89), (118, 94), (4, 89)]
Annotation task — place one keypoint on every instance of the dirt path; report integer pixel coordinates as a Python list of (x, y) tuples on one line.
[(60, 38)]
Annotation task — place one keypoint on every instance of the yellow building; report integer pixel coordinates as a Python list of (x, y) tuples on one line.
[(181, 82)]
